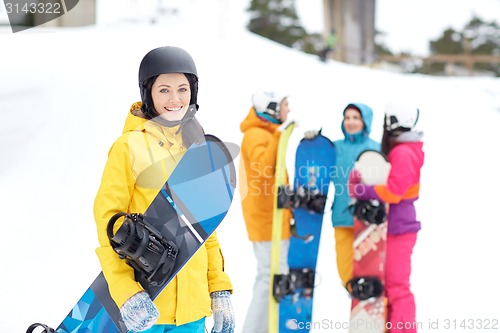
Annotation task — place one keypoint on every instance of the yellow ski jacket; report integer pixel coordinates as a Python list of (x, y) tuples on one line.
[(129, 184), (259, 149)]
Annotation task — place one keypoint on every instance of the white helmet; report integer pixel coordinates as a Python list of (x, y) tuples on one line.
[(268, 101), (400, 117)]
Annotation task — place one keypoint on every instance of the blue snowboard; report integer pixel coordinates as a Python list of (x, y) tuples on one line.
[(187, 210), (314, 163)]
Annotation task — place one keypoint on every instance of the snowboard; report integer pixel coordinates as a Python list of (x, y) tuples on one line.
[(368, 307), (280, 178), (187, 210), (314, 162)]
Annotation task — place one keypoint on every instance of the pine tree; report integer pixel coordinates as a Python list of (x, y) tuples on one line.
[(484, 38), (276, 20), (481, 38)]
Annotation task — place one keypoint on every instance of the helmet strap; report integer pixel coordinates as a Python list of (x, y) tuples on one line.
[(273, 109)]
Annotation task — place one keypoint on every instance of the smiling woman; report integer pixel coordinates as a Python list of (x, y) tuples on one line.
[(171, 96), (168, 80), (158, 131)]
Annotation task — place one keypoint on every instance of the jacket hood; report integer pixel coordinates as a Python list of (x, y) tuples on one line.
[(136, 119), (252, 120), (411, 136), (366, 116)]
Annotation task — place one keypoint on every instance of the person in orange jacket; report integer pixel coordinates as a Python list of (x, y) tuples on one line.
[(160, 128), (262, 129)]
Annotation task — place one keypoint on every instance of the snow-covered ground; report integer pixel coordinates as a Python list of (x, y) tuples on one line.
[(64, 96)]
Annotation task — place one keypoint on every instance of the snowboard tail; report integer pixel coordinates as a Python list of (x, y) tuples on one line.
[(186, 211)]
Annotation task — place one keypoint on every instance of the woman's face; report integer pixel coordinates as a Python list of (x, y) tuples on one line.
[(171, 94), (284, 110), (353, 123)]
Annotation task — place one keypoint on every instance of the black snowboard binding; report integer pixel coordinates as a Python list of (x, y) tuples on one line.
[(364, 287), (281, 286), (302, 278), (372, 211), (310, 199), (46, 329), (143, 247), (303, 197), (287, 284), (285, 197)]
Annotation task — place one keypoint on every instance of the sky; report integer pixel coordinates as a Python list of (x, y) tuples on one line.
[(65, 94), (411, 25)]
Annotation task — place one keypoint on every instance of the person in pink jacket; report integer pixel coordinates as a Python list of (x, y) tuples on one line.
[(403, 146)]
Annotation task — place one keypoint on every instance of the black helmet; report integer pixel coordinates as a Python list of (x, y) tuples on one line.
[(165, 60)]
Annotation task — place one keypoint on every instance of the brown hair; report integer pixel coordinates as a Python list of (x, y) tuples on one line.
[(388, 141)]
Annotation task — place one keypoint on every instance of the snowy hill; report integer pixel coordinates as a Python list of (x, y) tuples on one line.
[(65, 94)]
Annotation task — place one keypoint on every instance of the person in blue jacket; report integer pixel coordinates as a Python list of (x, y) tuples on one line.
[(356, 126)]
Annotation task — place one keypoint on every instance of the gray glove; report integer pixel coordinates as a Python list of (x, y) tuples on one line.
[(139, 312), (223, 312), (311, 134)]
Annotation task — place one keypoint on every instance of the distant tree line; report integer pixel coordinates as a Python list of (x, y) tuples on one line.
[(278, 20), (478, 37)]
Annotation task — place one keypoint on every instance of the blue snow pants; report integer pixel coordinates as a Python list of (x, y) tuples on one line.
[(193, 327)]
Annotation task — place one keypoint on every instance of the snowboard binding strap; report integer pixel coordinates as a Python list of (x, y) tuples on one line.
[(287, 284), (46, 329), (285, 197), (143, 247), (309, 198), (304, 197), (293, 230), (302, 278), (365, 287), (371, 212), (281, 286)]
